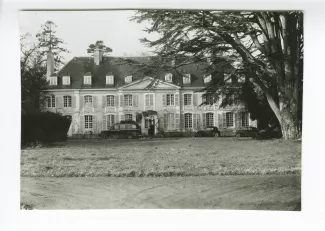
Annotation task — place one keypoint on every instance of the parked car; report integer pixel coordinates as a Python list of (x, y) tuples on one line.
[(211, 131), (246, 132), (124, 129)]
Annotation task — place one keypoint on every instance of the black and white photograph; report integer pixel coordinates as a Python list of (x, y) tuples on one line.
[(161, 109)]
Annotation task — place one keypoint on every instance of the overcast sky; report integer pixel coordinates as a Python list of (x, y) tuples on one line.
[(79, 29)]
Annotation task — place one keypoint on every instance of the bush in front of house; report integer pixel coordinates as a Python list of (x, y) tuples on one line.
[(44, 127)]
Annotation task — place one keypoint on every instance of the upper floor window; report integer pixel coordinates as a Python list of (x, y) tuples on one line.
[(54, 80), (67, 101), (128, 79), (187, 99), (110, 100), (230, 119), (87, 79), (51, 101), (188, 120), (88, 121), (209, 120), (170, 99), (66, 80), (128, 100), (149, 100), (207, 79), (186, 78), (109, 79), (169, 77), (88, 101)]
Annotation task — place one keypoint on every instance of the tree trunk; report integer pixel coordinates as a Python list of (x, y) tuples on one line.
[(289, 126)]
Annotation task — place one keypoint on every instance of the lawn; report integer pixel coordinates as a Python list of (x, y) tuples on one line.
[(163, 157)]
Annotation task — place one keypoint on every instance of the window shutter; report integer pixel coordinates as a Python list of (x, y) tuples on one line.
[(194, 121), (146, 98), (238, 117), (73, 101), (181, 99), (104, 103), (151, 100), (177, 121), (122, 117), (204, 125), (81, 101), (117, 118), (165, 121), (176, 99), (195, 99), (94, 101), (95, 127), (164, 100), (116, 103), (182, 121), (57, 101), (135, 100), (224, 120), (198, 119), (215, 119), (104, 122), (220, 120), (121, 100), (81, 123), (161, 122)]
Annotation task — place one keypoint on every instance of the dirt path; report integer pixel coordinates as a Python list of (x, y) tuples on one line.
[(268, 192)]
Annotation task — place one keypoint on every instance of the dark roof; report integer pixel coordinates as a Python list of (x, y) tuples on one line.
[(78, 67)]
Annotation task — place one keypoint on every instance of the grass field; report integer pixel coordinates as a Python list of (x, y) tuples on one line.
[(163, 157)]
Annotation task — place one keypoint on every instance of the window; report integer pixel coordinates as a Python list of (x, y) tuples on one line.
[(110, 120), (88, 121), (66, 80), (149, 100), (128, 79), (169, 121), (88, 101), (230, 119), (67, 101), (187, 99), (169, 77), (188, 120), (109, 79), (110, 100), (186, 78), (128, 116), (209, 120), (207, 79), (53, 80), (170, 99), (245, 120), (87, 79), (209, 99), (51, 101), (128, 100)]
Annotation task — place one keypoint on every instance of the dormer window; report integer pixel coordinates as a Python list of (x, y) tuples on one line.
[(109, 80), (128, 79), (169, 77), (54, 80), (207, 79), (66, 80), (87, 79), (187, 79), (227, 78)]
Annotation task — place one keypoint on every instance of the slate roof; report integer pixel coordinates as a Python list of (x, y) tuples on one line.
[(78, 67)]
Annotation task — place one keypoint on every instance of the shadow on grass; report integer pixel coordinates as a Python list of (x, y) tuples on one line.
[(26, 206)]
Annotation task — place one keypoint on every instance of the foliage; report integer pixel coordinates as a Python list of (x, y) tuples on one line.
[(49, 42), (264, 48), (99, 45)]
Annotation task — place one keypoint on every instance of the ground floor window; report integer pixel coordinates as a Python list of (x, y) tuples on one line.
[(245, 119), (188, 120), (128, 116), (51, 101), (88, 121), (110, 120), (169, 121), (209, 120), (230, 119)]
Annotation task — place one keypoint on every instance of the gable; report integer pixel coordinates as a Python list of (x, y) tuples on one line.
[(149, 83)]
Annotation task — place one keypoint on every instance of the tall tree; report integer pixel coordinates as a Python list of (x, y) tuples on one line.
[(99, 44), (265, 47), (49, 42)]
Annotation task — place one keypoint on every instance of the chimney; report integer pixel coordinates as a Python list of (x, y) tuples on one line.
[(98, 55), (49, 64)]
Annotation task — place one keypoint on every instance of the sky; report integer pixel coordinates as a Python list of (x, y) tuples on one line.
[(79, 29)]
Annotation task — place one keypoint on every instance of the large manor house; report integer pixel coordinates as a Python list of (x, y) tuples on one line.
[(96, 93)]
